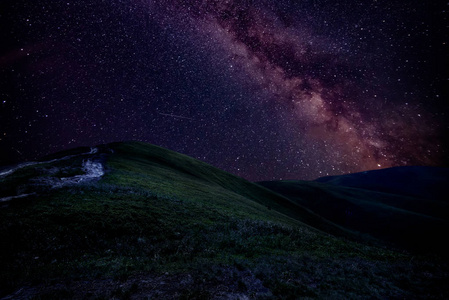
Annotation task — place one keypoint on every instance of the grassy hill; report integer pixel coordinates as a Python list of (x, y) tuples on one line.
[(421, 182), (412, 223), (152, 223)]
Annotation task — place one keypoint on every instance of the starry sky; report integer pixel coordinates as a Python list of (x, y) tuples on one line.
[(268, 89)]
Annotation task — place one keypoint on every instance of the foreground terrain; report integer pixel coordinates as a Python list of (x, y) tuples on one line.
[(133, 221)]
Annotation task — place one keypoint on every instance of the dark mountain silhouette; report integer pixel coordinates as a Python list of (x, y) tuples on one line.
[(404, 206), (415, 181)]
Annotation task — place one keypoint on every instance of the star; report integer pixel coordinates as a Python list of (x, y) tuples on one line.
[(294, 90)]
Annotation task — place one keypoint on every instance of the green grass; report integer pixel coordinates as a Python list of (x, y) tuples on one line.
[(160, 224)]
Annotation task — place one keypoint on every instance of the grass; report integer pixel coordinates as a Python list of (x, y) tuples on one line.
[(162, 225), (402, 221)]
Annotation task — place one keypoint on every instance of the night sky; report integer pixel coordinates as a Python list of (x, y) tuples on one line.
[(268, 89)]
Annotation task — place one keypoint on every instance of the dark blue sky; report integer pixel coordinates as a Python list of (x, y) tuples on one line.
[(262, 89)]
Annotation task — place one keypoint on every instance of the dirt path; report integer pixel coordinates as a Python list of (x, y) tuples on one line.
[(35, 163)]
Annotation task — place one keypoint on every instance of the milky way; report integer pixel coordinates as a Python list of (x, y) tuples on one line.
[(262, 89)]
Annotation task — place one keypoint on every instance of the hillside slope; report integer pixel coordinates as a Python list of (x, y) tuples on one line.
[(415, 181), (132, 220), (410, 211)]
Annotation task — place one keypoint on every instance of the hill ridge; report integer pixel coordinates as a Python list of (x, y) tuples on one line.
[(160, 224)]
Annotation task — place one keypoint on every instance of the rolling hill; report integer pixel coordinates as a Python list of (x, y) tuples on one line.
[(379, 204), (133, 220), (415, 181)]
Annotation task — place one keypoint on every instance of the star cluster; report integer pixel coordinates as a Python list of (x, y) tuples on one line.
[(263, 89)]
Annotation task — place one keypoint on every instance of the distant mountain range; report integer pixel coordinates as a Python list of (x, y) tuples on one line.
[(133, 220), (404, 206), (420, 182)]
